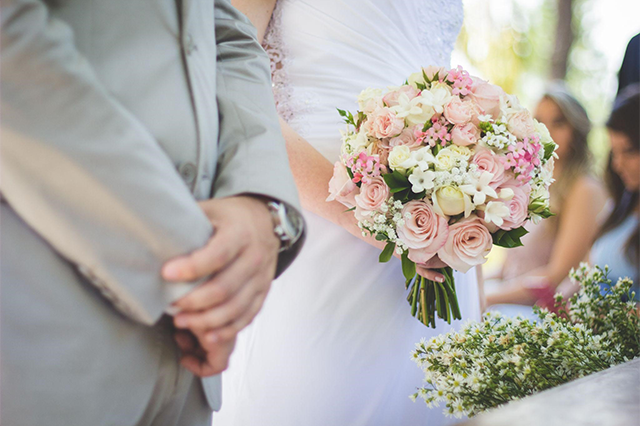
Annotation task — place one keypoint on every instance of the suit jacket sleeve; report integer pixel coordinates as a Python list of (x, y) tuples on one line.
[(84, 173), (253, 157)]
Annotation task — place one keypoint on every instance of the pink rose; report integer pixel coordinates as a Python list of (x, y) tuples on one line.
[(341, 187), (467, 134), (391, 98), (518, 205), (468, 244), (424, 232), (488, 161), (383, 123), (521, 124), (431, 71), (458, 111), (372, 196), (487, 96), (381, 148), (407, 138)]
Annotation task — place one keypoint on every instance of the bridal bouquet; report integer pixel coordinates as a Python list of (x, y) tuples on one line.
[(501, 359), (445, 165)]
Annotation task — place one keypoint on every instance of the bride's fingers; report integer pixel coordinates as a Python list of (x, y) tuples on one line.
[(430, 274)]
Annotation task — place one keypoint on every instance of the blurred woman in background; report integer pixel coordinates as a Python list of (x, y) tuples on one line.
[(533, 272), (618, 242)]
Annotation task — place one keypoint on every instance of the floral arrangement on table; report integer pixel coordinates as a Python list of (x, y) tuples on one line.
[(445, 165), (501, 359)]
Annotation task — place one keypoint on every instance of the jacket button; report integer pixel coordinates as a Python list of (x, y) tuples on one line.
[(188, 172), (189, 44)]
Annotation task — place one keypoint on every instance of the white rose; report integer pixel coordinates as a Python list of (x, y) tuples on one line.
[(449, 200), (357, 143), (415, 79), (446, 159), (400, 159), (541, 129), (369, 99)]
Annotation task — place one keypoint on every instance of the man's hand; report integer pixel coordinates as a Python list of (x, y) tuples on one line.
[(201, 362), (241, 259)]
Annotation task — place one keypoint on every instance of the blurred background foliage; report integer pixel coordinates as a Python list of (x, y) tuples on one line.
[(521, 45)]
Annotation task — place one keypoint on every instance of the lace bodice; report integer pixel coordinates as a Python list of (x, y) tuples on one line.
[(323, 53)]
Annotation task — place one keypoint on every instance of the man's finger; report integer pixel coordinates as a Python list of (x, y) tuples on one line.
[(221, 249), (230, 331), (223, 286), (225, 313)]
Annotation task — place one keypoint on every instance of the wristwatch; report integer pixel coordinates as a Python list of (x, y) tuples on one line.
[(287, 224)]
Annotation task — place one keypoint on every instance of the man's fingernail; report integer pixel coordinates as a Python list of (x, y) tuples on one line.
[(171, 271), (440, 279), (181, 322)]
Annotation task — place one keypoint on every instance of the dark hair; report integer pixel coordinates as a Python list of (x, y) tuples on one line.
[(625, 118), (578, 163)]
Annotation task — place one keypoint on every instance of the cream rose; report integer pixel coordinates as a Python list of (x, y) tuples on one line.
[(518, 205), (400, 159), (487, 161), (370, 99), (341, 187), (521, 124), (446, 159), (450, 200), (384, 123), (424, 232), (468, 244), (487, 96), (467, 134), (371, 197)]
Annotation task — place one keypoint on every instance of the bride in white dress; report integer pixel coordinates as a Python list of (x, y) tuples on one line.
[(331, 346)]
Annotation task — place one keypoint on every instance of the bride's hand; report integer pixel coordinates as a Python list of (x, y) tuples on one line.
[(429, 271)]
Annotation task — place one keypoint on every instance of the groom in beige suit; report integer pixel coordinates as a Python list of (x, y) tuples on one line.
[(146, 206)]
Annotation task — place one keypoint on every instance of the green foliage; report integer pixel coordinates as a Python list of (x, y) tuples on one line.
[(387, 253), (509, 239)]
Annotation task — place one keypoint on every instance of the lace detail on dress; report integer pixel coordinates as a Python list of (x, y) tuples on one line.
[(441, 22), (288, 104)]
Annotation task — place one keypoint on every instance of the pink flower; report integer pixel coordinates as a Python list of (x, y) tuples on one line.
[(487, 96), (488, 161), (341, 187), (372, 196), (518, 205), (458, 111), (468, 244), (521, 124), (424, 232), (407, 138), (391, 98), (431, 71), (467, 134), (383, 123)]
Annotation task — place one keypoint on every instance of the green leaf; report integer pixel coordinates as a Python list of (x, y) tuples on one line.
[(408, 267), (349, 210), (387, 253), (509, 239), (396, 181), (348, 117), (350, 173), (549, 149), (381, 237)]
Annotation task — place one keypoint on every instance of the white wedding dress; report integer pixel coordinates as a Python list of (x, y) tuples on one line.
[(332, 345)]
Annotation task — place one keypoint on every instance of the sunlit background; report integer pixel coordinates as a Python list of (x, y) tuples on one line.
[(523, 44)]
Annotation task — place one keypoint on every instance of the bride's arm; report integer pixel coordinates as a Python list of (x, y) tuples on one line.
[(311, 170)]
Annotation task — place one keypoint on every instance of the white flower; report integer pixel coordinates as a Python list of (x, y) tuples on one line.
[(369, 99), (479, 188), (355, 143), (506, 194), (496, 212), (400, 159), (437, 96), (421, 180), (414, 111), (447, 159)]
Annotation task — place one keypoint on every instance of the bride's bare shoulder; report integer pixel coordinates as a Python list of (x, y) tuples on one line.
[(258, 11)]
